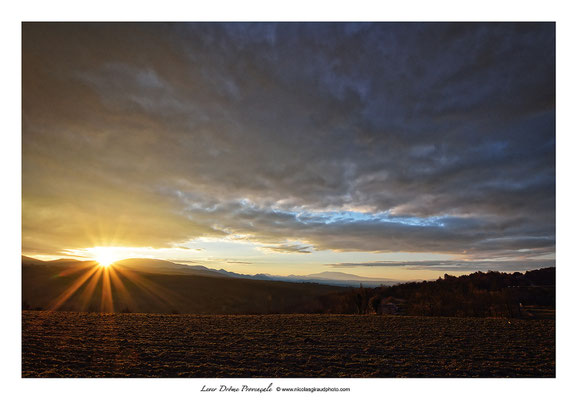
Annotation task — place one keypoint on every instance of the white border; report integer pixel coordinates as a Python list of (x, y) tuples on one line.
[(301, 10)]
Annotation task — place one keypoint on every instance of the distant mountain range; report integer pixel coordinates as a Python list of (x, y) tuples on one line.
[(341, 279), (326, 278), (156, 286), (167, 267)]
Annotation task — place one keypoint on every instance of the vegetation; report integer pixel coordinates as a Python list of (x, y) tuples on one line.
[(133, 343), (491, 294)]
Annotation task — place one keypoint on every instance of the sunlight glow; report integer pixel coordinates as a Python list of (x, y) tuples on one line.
[(104, 289), (105, 256)]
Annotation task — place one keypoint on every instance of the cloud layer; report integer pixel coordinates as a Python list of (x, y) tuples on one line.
[(437, 265), (299, 137)]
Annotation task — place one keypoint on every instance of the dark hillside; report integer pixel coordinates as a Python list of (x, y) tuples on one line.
[(479, 294), (82, 286)]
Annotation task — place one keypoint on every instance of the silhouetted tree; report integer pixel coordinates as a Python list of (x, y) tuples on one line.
[(491, 294), (374, 303)]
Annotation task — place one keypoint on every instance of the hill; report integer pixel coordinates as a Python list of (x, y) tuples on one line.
[(166, 267), (489, 294), (340, 279), (157, 287)]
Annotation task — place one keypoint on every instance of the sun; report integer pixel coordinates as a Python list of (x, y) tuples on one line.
[(105, 256)]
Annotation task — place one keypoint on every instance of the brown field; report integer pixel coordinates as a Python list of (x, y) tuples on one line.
[(69, 344)]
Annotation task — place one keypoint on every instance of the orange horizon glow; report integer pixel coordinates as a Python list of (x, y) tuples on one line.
[(105, 256)]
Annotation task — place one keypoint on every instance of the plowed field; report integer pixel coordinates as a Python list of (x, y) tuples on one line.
[(68, 344)]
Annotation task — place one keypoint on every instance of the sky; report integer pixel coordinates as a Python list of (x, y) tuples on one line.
[(391, 150)]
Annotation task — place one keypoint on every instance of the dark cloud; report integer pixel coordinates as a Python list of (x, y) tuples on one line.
[(433, 137), (484, 268), (457, 265), (239, 262), (288, 248)]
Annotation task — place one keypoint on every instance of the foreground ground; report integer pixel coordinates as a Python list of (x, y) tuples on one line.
[(68, 344)]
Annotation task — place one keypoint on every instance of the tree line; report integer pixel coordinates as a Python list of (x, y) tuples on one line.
[(490, 294)]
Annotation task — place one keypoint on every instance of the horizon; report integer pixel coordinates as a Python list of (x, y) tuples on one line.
[(388, 150), (118, 262)]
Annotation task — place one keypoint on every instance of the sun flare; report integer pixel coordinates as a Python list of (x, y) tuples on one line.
[(105, 256)]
